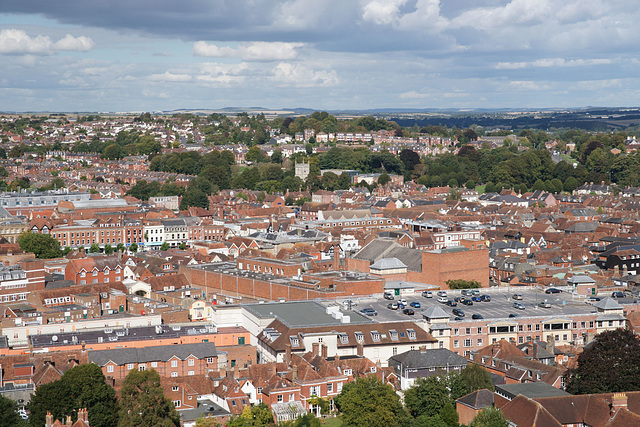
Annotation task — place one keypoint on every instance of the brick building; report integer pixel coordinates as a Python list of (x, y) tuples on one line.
[(94, 269)]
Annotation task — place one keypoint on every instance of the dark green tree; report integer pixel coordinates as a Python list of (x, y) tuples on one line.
[(367, 402), (143, 403), (409, 158), (471, 378), (108, 249), (9, 416), (449, 415), (133, 247), (427, 396), (619, 348), (42, 245), (384, 179), (164, 246), (489, 417), (81, 386), (94, 248)]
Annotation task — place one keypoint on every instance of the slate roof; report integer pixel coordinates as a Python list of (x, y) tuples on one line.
[(478, 399), (378, 249), (388, 264), (162, 353), (608, 304), (432, 358), (435, 312)]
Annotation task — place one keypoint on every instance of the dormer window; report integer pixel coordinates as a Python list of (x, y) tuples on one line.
[(348, 372), (295, 341), (393, 334), (344, 339), (411, 333), (373, 369), (359, 337), (375, 336)]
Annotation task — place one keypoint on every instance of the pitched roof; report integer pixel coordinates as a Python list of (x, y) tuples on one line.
[(432, 358), (162, 353)]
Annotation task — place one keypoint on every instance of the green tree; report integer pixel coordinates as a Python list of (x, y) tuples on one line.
[(470, 185), (449, 415), (256, 155), (81, 386), (384, 179), (409, 158), (368, 402), (164, 246), (94, 248), (463, 284), (619, 348), (425, 421), (133, 247), (203, 421), (570, 184), (120, 247), (9, 416), (427, 396), (276, 157), (473, 377), (489, 417), (143, 403), (42, 245), (108, 249)]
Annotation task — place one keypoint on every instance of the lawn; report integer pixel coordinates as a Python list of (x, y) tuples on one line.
[(480, 188), (332, 422)]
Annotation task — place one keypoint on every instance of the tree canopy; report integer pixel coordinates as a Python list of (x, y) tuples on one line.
[(619, 350), (143, 403), (367, 402), (42, 245)]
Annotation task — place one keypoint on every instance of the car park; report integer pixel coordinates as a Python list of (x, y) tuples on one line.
[(415, 304), (552, 291), (458, 312), (442, 293), (517, 296), (467, 302), (477, 316), (443, 300), (408, 311), (451, 303), (544, 304), (392, 305), (388, 295), (518, 305), (486, 298), (369, 312), (427, 294)]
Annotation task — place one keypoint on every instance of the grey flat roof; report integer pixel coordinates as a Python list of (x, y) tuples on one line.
[(530, 390), (303, 313)]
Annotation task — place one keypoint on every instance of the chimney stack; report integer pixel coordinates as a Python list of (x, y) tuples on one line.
[(324, 351), (48, 420), (315, 348), (618, 401), (423, 349), (69, 423), (336, 257), (360, 348), (84, 346), (287, 354), (294, 373)]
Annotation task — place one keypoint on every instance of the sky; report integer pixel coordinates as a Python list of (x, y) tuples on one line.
[(159, 55)]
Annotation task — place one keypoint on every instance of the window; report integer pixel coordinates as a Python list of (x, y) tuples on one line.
[(175, 388), (154, 364), (467, 331), (456, 343), (176, 403), (109, 368), (329, 387), (468, 343), (348, 371), (395, 350), (479, 341), (129, 366), (479, 330), (191, 373), (174, 363), (280, 399), (174, 374), (209, 359), (191, 362)]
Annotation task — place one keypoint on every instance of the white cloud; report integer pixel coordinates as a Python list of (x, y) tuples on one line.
[(553, 62), (382, 12), (414, 95), (524, 85), (255, 51), (13, 41), (80, 44), (298, 75), (170, 77), (516, 12)]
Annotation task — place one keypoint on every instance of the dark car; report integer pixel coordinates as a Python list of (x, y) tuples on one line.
[(467, 302), (369, 312), (451, 303), (458, 312), (477, 316), (617, 294), (415, 304), (476, 298), (553, 291), (459, 299), (486, 298), (458, 318), (513, 315), (409, 311)]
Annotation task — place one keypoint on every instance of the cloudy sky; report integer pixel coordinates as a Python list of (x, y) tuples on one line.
[(150, 55)]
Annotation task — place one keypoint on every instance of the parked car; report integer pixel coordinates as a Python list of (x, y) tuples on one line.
[(518, 305), (517, 296), (403, 301), (427, 294), (544, 304), (467, 302), (401, 305), (458, 318), (513, 315), (486, 298), (369, 312), (451, 303), (592, 300), (415, 304), (617, 294), (477, 316), (466, 292), (475, 292), (409, 311), (459, 299), (443, 300), (553, 291), (392, 305), (349, 304), (442, 293), (458, 312), (476, 298), (388, 295)]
